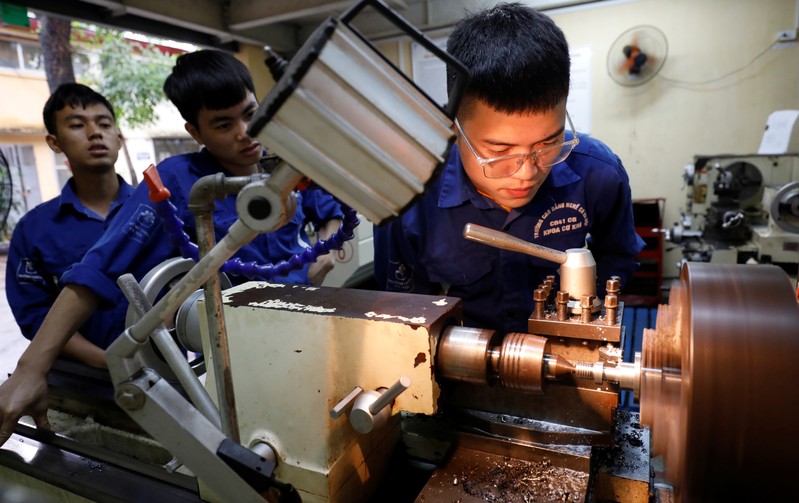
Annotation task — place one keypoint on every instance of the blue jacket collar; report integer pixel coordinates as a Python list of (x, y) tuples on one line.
[(68, 197), (207, 165)]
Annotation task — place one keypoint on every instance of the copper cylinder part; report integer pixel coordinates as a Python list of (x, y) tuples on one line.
[(521, 362), (557, 367), (464, 354), (723, 409)]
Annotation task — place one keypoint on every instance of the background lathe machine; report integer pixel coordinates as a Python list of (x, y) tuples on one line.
[(324, 394), (741, 209)]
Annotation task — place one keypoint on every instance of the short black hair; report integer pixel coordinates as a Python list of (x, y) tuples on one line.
[(73, 95), (208, 78), (518, 59)]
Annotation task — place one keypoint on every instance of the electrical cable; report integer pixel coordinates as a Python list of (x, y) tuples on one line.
[(715, 79)]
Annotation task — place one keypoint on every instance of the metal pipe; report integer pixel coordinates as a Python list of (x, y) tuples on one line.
[(201, 203)]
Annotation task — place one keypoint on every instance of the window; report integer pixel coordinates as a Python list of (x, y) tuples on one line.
[(28, 56), (167, 147), (31, 57), (8, 54)]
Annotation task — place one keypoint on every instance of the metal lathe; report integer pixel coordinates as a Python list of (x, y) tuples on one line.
[(343, 395)]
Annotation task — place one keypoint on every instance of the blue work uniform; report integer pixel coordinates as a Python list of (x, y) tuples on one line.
[(137, 241), (46, 242), (424, 251)]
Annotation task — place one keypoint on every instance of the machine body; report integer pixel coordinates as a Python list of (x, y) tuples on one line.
[(741, 209), (299, 351), (313, 392)]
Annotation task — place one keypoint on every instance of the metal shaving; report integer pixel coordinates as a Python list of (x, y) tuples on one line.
[(514, 481)]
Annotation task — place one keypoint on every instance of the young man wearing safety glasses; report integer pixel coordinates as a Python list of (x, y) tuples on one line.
[(519, 167)]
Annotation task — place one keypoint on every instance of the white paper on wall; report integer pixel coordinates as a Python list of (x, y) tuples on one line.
[(779, 130)]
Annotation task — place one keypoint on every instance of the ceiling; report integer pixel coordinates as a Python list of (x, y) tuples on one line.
[(282, 24)]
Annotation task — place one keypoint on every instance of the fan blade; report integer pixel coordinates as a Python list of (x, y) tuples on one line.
[(630, 52), (643, 50)]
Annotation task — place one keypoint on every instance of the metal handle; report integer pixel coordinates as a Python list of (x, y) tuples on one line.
[(390, 394), (345, 403), (462, 73), (371, 410), (497, 239)]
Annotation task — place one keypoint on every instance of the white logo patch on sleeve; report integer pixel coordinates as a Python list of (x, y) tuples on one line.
[(27, 272), (141, 224)]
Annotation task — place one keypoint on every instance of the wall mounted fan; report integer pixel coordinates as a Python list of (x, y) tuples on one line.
[(637, 55)]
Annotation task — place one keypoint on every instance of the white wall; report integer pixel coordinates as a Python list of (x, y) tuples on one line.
[(658, 127)]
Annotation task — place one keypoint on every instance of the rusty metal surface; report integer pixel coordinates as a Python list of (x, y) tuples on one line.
[(477, 476), (573, 457), (421, 310), (432, 438)]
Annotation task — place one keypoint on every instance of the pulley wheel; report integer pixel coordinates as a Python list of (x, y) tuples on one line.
[(156, 283), (785, 207), (734, 405)]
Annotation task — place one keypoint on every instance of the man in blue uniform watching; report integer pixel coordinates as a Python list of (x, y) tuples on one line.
[(215, 94), (51, 237), (518, 167)]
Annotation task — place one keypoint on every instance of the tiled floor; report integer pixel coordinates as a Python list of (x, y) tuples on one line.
[(12, 344)]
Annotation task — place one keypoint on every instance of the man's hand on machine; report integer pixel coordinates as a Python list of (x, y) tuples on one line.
[(24, 393), (319, 269)]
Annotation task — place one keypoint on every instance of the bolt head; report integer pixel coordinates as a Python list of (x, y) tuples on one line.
[(130, 399)]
